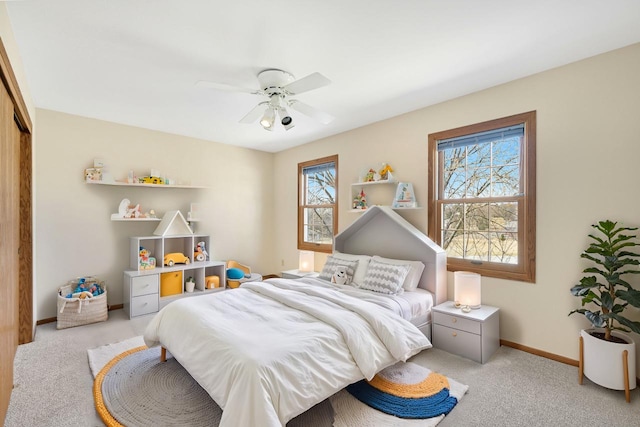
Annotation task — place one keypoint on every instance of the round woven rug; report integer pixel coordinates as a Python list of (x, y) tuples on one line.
[(136, 389), (406, 390)]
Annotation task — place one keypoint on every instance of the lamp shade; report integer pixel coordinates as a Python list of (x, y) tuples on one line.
[(467, 288), (305, 262)]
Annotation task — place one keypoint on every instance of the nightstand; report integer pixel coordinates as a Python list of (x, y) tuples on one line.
[(474, 335), (297, 274)]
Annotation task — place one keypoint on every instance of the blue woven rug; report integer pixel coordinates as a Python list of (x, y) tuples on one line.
[(407, 390)]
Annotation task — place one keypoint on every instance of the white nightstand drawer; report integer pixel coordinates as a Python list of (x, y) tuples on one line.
[(456, 322), (144, 304), (144, 285), (458, 342)]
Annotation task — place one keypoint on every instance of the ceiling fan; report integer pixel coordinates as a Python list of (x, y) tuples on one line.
[(279, 86)]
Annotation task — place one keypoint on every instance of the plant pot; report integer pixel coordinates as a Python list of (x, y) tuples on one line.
[(603, 360), (189, 286)]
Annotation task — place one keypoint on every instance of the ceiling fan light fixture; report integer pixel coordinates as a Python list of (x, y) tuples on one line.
[(285, 118), (268, 118), (279, 85)]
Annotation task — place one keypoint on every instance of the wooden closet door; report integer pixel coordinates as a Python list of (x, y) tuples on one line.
[(9, 244)]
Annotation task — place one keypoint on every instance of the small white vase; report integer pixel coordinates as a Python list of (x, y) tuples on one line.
[(603, 360), (189, 286)]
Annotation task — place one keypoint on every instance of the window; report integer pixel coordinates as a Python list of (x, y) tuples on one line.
[(317, 204), (482, 197)]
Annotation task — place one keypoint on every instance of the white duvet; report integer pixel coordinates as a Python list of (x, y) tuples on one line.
[(268, 351)]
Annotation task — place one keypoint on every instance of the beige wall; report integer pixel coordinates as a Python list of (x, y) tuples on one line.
[(75, 235), (588, 154)]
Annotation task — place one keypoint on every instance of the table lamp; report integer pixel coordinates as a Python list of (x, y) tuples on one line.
[(467, 290), (305, 261)]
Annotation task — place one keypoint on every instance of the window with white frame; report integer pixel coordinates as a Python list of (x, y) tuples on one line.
[(317, 204), (482, 196)]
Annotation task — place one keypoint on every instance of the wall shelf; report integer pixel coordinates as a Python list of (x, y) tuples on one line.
[(126, 184), (384, 206), (379, 195), (385, 181), (116, 217)]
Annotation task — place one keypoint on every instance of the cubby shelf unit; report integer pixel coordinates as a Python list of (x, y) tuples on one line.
[(142, 288)]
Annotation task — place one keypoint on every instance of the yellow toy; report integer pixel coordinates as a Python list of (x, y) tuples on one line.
[(212, 282), (385, 172), (175, 258), (151, 180)]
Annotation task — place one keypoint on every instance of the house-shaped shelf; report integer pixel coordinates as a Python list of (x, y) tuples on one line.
[(382, 231), (173, 224)]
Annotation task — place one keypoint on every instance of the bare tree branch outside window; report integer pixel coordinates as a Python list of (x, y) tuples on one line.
[(482, 196), (479, 200), (319, 206), (317, 215)]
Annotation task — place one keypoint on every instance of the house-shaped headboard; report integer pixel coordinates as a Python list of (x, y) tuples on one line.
[(381, 231)]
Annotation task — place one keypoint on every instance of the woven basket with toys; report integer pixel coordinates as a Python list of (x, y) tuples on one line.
[(82, 301)]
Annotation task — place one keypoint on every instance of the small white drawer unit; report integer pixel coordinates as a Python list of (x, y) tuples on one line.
[(141, 294), (474, 335)]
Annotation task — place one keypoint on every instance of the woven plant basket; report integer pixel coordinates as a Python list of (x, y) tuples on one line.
[(75, 311)]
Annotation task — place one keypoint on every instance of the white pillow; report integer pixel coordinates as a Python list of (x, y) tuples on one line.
[(385, 278), (330, 268), (363, 263), (413, 277)]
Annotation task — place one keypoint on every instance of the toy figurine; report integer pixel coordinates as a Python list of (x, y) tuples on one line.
[(385, 171), (200, 253), (134, 212), (370, 176), (360, 201), (145, 261)]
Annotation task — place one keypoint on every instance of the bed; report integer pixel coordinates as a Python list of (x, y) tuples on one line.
[(268, 351)]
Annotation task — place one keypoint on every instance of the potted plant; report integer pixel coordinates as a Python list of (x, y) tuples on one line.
[(190, 284), (602, 355)]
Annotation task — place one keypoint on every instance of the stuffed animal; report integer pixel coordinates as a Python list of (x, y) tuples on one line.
[(340, 276)]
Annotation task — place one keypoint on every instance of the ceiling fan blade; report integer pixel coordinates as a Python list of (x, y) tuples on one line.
[(228, 88), (255, 113), (307, 110), (305, 84)]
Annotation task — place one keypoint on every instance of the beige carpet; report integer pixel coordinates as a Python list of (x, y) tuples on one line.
[(169, 388), (513, 389)]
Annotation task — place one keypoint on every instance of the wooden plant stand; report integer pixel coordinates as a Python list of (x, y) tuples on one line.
[(625, 369)]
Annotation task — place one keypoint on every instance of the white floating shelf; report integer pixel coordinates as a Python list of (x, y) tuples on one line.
[(385, 181), (117, 217), (126, 184), (384, 206)]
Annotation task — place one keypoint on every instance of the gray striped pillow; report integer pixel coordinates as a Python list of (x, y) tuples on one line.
[(330, 268), (385, 278)]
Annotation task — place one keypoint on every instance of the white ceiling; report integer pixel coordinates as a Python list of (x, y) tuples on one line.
[(136, 62)]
